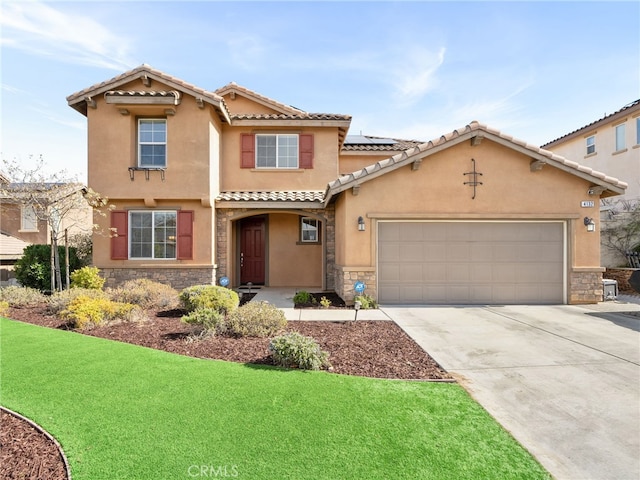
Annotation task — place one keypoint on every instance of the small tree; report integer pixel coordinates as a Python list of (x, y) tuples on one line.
[(55, 199), (621, 231)]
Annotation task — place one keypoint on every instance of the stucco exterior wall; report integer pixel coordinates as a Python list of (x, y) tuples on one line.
[(325, 169), (509, 191), (290, 261), (203, 229), (112, 149), (623, 164), (238, 104)]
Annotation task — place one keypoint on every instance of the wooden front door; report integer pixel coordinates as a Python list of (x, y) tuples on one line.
[(252, 250)]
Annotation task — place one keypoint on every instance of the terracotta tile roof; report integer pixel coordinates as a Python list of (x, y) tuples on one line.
[(143, 93), (233, 86), (474, 129), (606, 118), (380, 147), (291, 116), (278, 196), (77, 100)]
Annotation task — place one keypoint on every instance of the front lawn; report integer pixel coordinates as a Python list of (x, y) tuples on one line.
[(122, 411)]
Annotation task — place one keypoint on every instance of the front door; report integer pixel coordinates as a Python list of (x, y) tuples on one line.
[(252, 250)]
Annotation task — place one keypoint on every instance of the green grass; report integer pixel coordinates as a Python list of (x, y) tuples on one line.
[(122, 411)]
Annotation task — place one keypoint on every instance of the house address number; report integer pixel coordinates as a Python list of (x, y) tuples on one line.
[(587, 203)]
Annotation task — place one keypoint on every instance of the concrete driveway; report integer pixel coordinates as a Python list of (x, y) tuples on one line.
[(564, 380)]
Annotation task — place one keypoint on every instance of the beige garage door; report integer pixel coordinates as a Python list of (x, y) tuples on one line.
[(470, 263)]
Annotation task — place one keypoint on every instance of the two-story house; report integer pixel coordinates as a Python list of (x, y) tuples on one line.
[(230, 183), (610, 144)]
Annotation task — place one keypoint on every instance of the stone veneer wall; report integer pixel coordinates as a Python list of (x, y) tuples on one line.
[(178, 278), (346, 277), (585, 286), (223, 223)]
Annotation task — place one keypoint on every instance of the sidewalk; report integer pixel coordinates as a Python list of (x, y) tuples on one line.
[(283, 299)]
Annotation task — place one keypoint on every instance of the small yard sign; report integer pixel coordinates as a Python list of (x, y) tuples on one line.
[(224, 281), (359, 287)]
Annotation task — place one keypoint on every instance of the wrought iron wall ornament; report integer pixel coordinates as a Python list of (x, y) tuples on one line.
[(474, 178)]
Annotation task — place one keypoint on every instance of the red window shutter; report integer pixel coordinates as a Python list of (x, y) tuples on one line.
[(306, 150), (248, 150), (185, 235), (119, 240)]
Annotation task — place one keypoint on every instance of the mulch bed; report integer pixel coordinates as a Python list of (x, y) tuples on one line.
[(26, 452), (377, 349)]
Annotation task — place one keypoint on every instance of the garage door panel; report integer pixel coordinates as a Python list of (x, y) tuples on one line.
[(471, 262), (411, 252)]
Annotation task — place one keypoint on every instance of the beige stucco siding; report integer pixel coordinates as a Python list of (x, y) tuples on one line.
[(112, 149), (290, 262), (202, 236), (235, 178), (509, 190)]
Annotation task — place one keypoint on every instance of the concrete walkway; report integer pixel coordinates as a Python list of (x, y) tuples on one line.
[(283, 299), (564, 380)]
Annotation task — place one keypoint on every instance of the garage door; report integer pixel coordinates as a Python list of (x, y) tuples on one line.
[(471, 262)]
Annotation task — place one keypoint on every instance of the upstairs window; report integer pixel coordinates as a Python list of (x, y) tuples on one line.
[(28, 219), (638, 131), (620, 143), (276, 151), (152, 143), (270, 151), (591, 144)]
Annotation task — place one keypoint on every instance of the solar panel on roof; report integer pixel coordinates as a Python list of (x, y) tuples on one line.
[(362, 140)]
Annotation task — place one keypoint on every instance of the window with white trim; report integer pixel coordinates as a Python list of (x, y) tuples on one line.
[(152, 235), (620, 143), (309, 230), (276, 151), (152, 143), (638, 131), (591, 144), (28, 219)]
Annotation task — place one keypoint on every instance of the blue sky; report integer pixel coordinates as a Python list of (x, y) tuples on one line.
[(414, 70)]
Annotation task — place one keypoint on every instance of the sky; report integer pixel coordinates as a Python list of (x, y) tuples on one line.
[(401, 69)]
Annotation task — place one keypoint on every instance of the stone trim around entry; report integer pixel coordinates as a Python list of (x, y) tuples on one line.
[(178, 277)]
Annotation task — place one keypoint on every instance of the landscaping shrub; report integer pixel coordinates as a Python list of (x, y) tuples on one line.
[(220, 298), (209, 319), (33, 269), (85, 312), (146, 293), (60, 301), (366, 302), (325, 302), (87, 277), (21, 296), (256, 319), (294, 350), (302, 297), (4, 308)]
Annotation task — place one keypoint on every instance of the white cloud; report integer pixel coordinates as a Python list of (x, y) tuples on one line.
[(416, 75), (41, 30)]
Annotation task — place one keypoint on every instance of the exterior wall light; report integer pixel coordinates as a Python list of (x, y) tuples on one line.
[(590, 224), (360, 224)]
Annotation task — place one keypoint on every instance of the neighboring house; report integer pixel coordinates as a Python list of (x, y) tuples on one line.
[(231, 183), (610, 144), (22, 225)]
